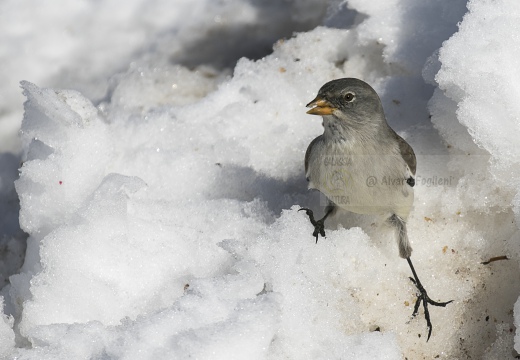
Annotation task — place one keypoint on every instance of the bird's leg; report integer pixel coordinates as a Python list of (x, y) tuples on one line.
[(319, 225), (424, 298), (405, 250)]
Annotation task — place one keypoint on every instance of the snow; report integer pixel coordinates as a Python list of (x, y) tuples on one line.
[(154, 214)]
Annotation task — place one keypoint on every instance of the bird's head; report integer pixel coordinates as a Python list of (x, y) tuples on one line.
[(349, 99)]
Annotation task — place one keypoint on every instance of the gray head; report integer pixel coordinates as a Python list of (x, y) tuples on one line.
[(351, 101)]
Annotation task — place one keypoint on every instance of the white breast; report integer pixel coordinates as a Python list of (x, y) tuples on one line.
[(364, 184)]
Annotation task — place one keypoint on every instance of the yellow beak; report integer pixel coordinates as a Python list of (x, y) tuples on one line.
[(320, 107)]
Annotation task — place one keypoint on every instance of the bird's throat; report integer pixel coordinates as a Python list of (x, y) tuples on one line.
[(335, 130), (348, 130)]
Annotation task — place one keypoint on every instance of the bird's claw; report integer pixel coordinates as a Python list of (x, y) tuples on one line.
[(425, 299), (319, 226), (319, 229)]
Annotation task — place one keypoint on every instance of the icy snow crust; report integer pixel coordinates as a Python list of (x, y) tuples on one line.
[(162, 217)]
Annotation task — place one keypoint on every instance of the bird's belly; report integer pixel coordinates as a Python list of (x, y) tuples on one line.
[(355, 189)]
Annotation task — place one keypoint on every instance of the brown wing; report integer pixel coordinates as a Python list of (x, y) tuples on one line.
[(407, 154), (308, 153)]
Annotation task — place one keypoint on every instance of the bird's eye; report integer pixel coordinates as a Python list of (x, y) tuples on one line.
[(349, 97)]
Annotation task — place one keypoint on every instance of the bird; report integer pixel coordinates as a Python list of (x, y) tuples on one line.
[(363, 166)]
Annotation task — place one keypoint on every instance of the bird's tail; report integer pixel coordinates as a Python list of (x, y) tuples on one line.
[(405, 249)]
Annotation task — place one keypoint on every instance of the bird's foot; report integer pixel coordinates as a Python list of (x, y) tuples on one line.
[(319, 225), (425, 299)]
